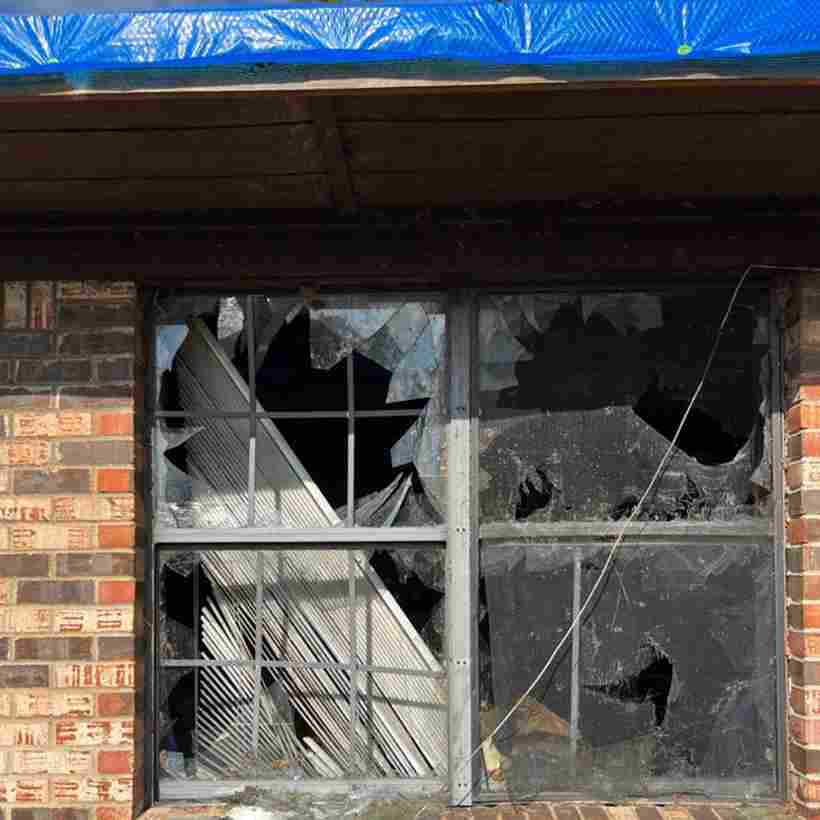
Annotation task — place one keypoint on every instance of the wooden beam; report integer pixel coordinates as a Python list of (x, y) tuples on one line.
[(497, 254), (332, 149), (384, 79)]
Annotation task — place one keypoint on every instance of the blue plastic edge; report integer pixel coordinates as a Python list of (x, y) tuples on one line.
[(509, 32)]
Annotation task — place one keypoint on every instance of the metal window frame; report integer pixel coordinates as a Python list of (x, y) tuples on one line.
[(461, 536), (569, 533), (346, 537)]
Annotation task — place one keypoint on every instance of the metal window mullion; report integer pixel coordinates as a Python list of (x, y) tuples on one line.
[(462, 550), (776, 352), (150, 486), (575, 689), (197, 562), (251, 357), (351, 563), (257, 687)]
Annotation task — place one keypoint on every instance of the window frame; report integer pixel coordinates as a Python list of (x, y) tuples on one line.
[(461, 536)]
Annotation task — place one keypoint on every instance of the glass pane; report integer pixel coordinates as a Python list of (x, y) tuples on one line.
[(201, 353), (401, 726), (288, 376), (208, 727), (676, 679), (301, 472), (303, 350), (582, 393), (400, 610), (305, 608), (201, 472), (208, 605)]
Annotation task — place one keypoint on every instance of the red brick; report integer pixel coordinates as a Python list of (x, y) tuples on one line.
[(808, 790), (92, 675), (804, 616), (115, 704), (53, 649), (117, 536), (114, 424), (42, 306), (50, 537), (93, 789), (803, 416), (110, 480), (23, 790), (30, 510), (95, 564), (15, 305), (118, 648), (116, 592), (805, 731), (95, 290), (55, 592), (803, 558), (808, 392), (113, 813), (94, 733), (49, 425), (110, 762), (803, 587), (51, 704), (28, 453), (803, 645), (804, 445), (805, 700)]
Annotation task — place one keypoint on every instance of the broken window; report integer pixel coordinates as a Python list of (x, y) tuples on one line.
[(668, 685), (287, 649)]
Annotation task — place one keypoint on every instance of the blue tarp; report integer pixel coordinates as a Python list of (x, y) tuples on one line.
[(500, 32)]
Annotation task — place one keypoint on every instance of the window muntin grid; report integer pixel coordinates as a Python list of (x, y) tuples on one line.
[(563, 461), (405, 435), (357, 672)]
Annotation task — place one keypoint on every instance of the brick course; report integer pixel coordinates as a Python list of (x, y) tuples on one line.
[(802, 417), (67, 541)]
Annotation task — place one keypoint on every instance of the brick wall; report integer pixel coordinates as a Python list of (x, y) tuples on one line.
[(68, 564)]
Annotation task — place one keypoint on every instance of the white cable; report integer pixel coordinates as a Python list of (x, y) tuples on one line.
[(619, 540)]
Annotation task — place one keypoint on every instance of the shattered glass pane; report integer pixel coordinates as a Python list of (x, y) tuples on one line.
[(303, 349), (579, 403), (208, 605), (674, 688), (168, 340), (676, 680), (205, 340), (415, 579), (384, 750), (310, 494), (207, 719), (208, 611), (201, 473)]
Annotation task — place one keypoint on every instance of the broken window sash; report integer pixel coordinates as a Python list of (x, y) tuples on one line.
[(299, 601), (577, 425), (201, 473), (392, 398), (674, 691)]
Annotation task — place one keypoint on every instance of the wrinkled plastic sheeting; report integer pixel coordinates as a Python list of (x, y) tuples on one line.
[(72, 35), (676, 678)]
